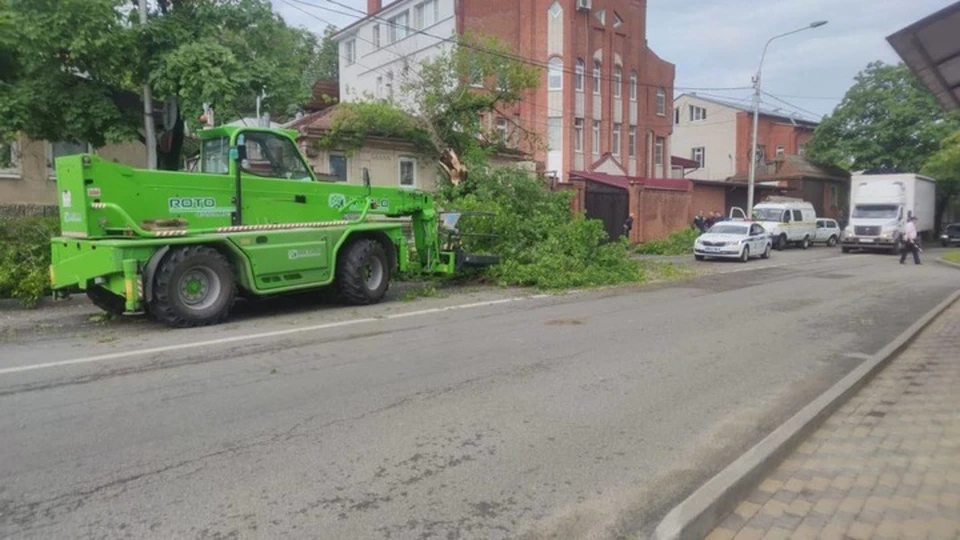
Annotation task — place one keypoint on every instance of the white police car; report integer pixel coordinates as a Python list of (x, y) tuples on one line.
[(733, 240)]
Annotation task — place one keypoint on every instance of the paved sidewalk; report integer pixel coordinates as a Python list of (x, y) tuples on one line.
[(885, 465)]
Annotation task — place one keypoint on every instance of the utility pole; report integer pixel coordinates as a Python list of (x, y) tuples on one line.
[(751, 180), (260, 97), (150, 131)]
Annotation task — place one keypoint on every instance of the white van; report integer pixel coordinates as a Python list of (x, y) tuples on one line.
[(788, 220)]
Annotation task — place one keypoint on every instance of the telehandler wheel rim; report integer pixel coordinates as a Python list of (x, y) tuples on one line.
[(373, 273), (199, 287)]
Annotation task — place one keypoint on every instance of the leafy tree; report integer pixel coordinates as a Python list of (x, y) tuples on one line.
[(77, 65), (887, 120), (944, 166), (328, 57)]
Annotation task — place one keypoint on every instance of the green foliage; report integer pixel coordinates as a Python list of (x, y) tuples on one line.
[(73, 70), (352, 123), (678, 243), (328, 57), (479, 77), (944, 167), (952, 256), (887, 119), (25, 258), (540, 244)]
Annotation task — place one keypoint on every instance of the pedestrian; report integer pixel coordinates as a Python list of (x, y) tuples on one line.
[(699, 222), (717, 217), (910, 242), (628, 225)]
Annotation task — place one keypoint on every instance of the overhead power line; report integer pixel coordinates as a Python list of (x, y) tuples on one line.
[(587, 73)]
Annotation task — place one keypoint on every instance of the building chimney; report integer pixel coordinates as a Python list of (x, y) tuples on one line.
[(373, 6)]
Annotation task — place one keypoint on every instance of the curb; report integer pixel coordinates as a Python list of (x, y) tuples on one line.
[(948, 263), (699, 513)]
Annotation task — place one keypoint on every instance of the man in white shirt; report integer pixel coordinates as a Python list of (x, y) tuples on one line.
[(910, 241)]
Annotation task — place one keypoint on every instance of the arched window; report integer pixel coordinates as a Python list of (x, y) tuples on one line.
[(596, 77), (555, 74), (617, 81), (581, 68)]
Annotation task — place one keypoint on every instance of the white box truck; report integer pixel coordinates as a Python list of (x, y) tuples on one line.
[(879, 207)]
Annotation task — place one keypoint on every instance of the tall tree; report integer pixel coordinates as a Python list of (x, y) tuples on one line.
[(944, 167), (77, 65), (328, 57), (887, 120)]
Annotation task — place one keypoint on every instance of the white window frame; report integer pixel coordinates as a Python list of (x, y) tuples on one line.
[(615, 138), (578, 135), (418, 21), (14, 170), (502, 129), (597, 70), (350, 51), (346, 165), (555, 132), (781, 151), (633, 86), (697, 114), (632, 141), (661, 102), (376, 36), (399, 30), (579, 76), (617, 81), (699, 154), (658, 148), (555, 74), (596, 137), (400, 162)]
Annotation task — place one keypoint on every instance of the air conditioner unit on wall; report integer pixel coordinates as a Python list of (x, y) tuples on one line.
[(584, 5)]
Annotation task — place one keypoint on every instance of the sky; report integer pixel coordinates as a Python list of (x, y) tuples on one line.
[(717, 43)]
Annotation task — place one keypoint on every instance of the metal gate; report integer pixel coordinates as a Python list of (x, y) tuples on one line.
[(608, 204)]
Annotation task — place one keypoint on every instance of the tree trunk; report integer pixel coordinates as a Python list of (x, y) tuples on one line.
[(171, 160)]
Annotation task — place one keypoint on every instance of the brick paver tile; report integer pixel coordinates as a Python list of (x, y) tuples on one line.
[(721, 534), (885, 465)]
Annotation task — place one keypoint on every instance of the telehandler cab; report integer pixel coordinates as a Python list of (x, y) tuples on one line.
[(254, 220)]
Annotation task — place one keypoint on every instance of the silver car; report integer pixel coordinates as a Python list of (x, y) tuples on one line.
[(733, 240), (828, 232)]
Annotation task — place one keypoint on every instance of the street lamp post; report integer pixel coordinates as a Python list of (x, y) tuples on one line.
[(756, 112)]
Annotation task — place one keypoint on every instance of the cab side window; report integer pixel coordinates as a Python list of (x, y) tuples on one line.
[(786, 216), (272, 156)]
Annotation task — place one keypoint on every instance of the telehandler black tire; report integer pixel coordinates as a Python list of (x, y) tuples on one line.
[(193, 286), (363, 273), (107, 301)]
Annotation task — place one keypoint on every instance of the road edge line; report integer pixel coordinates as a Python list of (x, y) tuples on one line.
[(700, 512)]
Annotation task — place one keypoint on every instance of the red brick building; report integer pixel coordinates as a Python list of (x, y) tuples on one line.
[(718, 135), (605, 99)]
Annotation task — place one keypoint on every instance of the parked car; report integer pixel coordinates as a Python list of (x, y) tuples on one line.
[(950, 235), (788, 220), (733, 240), (828, 232)]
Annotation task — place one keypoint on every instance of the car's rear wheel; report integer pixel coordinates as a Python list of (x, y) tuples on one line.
[(805, 243), (832, 241), (745, 254), (782, 242), (766, 252)]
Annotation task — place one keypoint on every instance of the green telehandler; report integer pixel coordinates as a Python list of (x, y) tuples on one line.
[(254, 221)]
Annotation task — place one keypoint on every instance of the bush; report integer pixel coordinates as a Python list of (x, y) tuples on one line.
[(25, 258), (678, 243), (539, 243)]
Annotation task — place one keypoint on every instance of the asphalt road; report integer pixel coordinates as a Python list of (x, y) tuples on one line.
[(478, 415)]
